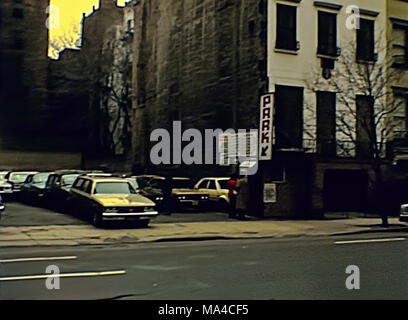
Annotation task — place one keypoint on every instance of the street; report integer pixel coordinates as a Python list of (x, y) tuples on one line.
[(296, 268), (299, 266)]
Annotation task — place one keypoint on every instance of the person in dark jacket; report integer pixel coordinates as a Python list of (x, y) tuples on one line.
[(167, 189), (232, 195)]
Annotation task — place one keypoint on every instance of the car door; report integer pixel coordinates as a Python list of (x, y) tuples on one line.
[(212, 190), (76, 195), (203, 185), (85, 201)]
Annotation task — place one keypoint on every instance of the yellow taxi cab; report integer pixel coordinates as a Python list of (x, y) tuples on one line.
[(106, 198), (217, 189), (183, 194)]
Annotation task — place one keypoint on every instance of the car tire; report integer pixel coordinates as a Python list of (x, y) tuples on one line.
[(143, 223), (97, 218), (223, 205)]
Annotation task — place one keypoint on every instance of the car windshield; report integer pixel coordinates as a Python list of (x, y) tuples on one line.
[(113, 188), (223, 184), (182, 184), (68, 180), (40, 178), (18, 177)]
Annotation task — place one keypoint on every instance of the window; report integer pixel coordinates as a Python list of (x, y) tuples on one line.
[(87, 186), (286, 27), (78, 183), (400, 46), (211, 185), (365, 40), (400, 124), (18, 41), (364, 126), (288, 117), (327, 34), (203, 184), (326, 123), (18, 13), (113, 188)]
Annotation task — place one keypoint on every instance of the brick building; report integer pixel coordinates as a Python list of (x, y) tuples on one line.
[(23, 72), (202, 62)]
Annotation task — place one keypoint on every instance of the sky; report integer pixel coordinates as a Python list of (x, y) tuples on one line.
[(65, 19)]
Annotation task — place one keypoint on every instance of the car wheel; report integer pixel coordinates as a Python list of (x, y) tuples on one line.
[(143, 223), (97, 218), (223, 205)]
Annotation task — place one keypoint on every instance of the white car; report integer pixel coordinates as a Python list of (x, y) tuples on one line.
[(2, 206), (5, 187), (404, 212)]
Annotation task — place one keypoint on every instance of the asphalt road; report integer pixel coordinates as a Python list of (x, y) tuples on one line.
[(298, 268)]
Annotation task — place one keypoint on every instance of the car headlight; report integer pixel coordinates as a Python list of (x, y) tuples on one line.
[(204, 197), (159, 198), (181, 197), (148, 209)]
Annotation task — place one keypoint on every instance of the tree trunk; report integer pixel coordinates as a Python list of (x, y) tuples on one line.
[(379, 194)]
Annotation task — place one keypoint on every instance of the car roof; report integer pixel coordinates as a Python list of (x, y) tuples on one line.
[(64, 172), (104, 179), (24, 172)]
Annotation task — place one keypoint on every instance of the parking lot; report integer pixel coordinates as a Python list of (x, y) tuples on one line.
[(18, 214)]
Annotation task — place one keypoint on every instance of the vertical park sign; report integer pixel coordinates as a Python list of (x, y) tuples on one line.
[(266, 127)]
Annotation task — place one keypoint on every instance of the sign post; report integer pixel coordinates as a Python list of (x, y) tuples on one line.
[(266, 127)]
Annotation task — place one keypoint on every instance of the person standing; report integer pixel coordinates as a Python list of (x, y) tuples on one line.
[(242, 197), (167, 189), (232, 195)]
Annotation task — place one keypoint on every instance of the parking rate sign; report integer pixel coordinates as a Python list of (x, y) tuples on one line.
[(266, 127)]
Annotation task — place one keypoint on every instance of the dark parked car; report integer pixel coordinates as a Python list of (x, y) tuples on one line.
[(58, 186), (32, 191), (5, 187)]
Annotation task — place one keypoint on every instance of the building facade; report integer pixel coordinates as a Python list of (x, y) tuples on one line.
[(23, 72), (397, 35), (201, 62), (318, 60)]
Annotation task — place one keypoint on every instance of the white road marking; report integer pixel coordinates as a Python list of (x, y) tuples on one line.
[(38, 259), (65, 275), (369, 240)]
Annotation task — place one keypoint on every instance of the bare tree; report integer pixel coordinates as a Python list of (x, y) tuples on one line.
[(104, 66), (116, 90), (365, 104)]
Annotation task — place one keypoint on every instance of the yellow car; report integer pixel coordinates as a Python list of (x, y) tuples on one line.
[(217, 189), (107, 199)]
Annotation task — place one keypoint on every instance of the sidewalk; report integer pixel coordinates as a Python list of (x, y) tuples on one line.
[(74, 235)]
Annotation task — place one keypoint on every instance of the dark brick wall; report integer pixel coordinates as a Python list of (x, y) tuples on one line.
[(23, 69), (199, 61)]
